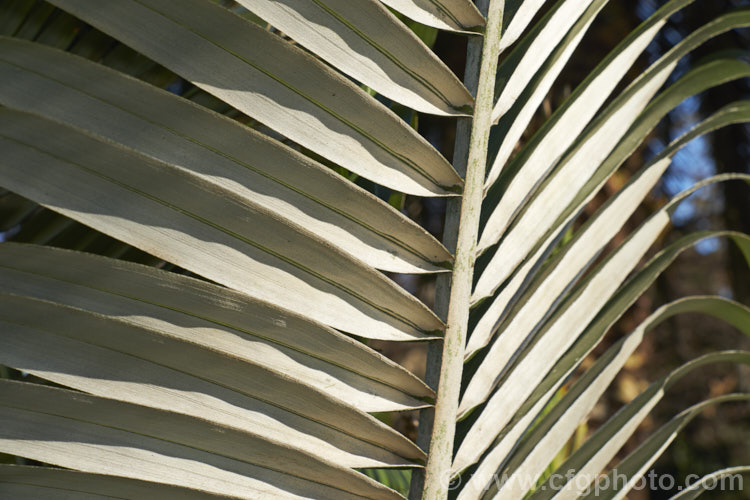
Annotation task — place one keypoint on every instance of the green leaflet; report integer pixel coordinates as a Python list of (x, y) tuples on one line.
[(45, 482), (181, 218), (110, 437), (455, 15), (521, 239), (280, 85), (709, 481), (258, 170), (531, 457), (365, 41), (637, 463), (561, 331), (585, 155), (548, 287), (570, 119)]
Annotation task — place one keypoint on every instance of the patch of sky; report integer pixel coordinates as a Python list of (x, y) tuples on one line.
[(177, 86), (726, 292), (690, 165), (693, 163), (645, 8), (6, 235), (709, 246)]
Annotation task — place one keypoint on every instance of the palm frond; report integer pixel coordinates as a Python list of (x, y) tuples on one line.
[(251, 379)]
